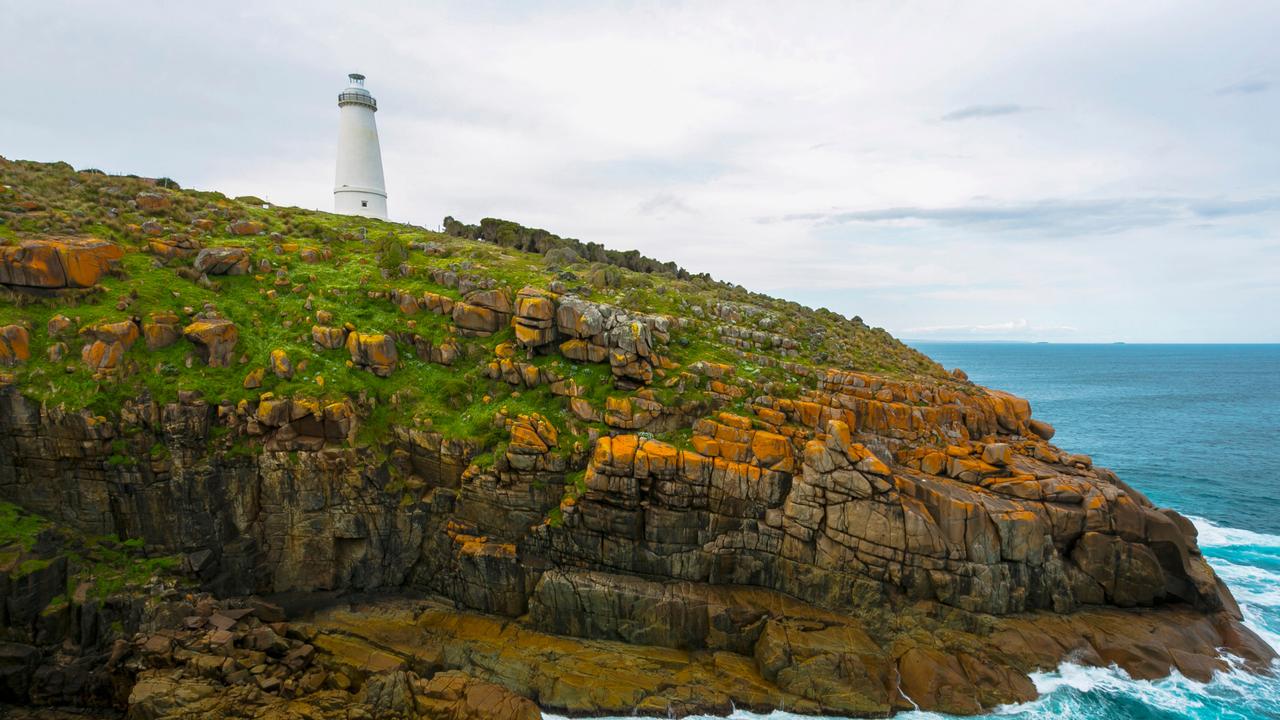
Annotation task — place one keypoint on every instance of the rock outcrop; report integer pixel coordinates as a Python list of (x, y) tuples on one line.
[(376, 352), (215, 340), (223, 261), (57, 263), (15, 345)]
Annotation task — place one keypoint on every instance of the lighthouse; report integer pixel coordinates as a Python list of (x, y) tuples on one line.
[(358, 187)]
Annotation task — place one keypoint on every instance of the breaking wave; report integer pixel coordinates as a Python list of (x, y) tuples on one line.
[(1219, 536)]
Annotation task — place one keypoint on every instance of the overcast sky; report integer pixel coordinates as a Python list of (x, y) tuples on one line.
[(1014, 170)]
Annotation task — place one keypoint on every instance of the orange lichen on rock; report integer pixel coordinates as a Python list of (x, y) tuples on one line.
[(57, 262), (15, 345)]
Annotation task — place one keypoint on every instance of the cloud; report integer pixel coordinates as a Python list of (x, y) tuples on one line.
[(984, 111), (664, 204), (1051, 216), (1007, 328), (1245, 87), (1132, 213)]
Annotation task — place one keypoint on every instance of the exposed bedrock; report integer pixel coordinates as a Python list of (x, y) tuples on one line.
[(856, 549)]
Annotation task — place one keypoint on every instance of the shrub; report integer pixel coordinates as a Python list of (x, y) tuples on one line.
[(392, 250), (561, 256)]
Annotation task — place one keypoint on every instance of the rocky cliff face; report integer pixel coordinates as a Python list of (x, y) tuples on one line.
[(599, 501)]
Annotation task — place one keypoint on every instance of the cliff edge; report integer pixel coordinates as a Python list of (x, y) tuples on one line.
[(369, 467)]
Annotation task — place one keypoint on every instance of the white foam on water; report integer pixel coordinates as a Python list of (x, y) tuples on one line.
[(1256, 588), (1250, 583), (1172, 693), (1212, 535)]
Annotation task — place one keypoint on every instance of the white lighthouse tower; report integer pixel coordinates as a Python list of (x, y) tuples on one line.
[(358, 187)]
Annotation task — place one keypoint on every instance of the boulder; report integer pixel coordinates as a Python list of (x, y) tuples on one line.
[(246, 227), (328, 338), (151, 202), (497, 300), (55, 263), (281, 365), (534, 320), (583, 351), (374, 351), (174, 247), (475, 320), (57, 325), (253, 379), (223, 261), (15, 345), (108, 342), (215, 340), (1041, 428), (997, 454), (162, 330)]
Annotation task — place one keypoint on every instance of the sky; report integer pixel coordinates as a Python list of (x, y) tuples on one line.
[(1075, 172)]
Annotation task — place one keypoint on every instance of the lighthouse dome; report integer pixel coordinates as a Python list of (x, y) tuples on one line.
[(356, 94)]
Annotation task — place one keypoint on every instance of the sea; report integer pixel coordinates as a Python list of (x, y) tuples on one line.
[(1196, 428)]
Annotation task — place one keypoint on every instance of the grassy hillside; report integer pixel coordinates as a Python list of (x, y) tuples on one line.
[(306, 262)]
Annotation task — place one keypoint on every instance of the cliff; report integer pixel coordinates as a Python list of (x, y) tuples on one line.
[(366, 465)]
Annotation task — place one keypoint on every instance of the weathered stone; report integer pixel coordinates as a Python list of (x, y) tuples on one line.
[(107, 344), (57, 325), (215, 340), (54, 263), (246, 227), (997, 454), (254, 378), (174, 247), (281, 365), (15, 345), (223, 261), (161, 331), (1041, 428), (475, 319), (149, 202), (583, 351), (375, 352), (328, 338)]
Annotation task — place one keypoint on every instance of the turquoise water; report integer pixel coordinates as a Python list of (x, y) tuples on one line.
[(1195, 427)]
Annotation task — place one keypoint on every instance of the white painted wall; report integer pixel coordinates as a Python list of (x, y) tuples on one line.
[(359, 188)]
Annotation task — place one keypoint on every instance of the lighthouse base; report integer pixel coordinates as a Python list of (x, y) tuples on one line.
[(360, 201)]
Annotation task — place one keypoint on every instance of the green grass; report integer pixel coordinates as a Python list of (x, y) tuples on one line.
[(111, 566), (275, 309), (18, 527)]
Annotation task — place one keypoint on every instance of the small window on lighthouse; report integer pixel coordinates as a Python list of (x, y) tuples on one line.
[(364, 203)]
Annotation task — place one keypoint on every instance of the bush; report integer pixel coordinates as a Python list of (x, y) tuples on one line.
[(392, 251), (604, 276), (561, 256)]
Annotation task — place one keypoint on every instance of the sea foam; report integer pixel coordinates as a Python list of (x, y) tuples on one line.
[(1215, 536)]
